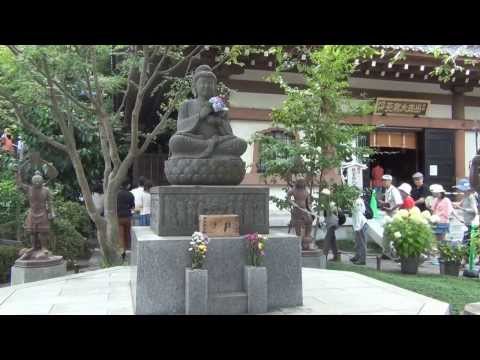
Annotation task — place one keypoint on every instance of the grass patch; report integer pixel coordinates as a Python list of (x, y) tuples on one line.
[(455, 291)]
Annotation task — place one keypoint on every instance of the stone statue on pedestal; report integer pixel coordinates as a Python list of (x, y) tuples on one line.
[(301, 220), (37, 222), (204, 150)]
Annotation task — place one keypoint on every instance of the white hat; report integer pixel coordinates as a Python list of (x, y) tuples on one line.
[(437, 188), (387, 177), (417, 175), (405, 188)]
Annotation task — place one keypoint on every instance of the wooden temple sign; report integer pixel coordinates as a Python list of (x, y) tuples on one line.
[(401, 106), (219, 225)]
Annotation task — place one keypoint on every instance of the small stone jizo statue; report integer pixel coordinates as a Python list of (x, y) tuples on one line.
[(37, 222), (301, 220)]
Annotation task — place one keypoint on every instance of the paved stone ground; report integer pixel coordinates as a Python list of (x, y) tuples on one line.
[(428, 267), (107, 292)]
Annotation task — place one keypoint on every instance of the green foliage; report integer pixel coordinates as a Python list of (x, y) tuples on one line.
[(12, 201), (8, 255), (76, 214), (321, 141), (410, 234), (66, 241), (453, 253)]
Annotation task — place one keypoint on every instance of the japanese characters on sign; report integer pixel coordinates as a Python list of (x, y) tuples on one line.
[(401, 106)]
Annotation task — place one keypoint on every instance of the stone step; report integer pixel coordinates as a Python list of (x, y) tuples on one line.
[(231, 303)]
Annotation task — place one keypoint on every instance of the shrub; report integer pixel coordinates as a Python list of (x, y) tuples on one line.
[(12, 201), (410, 233), (76, 214), (66, 241), (8, 255), (452, 252)]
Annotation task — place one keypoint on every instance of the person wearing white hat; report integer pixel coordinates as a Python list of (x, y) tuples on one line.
[(393, 199), (442, 208), (405, 191)]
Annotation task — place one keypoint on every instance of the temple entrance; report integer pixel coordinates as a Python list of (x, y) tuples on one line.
[(398, 152)]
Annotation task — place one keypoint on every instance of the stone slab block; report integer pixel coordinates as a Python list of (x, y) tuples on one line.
[(314, 259), (256, 285), (176, 208), (472, 309), (228, 304), (196, 292), (21, 275)]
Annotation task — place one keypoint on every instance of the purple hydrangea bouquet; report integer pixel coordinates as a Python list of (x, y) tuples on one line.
[(218, 103)]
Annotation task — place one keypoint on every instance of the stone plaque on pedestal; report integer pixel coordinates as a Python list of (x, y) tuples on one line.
[(219, 225), (176, 208)]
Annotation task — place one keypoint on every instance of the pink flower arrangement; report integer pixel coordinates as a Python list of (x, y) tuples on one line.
[(256, 248)]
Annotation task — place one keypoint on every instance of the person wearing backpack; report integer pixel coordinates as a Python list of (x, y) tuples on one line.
[(359, 223)]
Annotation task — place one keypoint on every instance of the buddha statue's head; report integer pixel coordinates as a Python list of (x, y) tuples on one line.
[(204, 83), (37, 179)]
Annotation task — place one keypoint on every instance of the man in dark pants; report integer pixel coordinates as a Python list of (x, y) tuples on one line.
[(125, 205)]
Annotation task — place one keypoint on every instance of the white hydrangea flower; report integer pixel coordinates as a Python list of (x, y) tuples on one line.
[(387, 219), (415, 211)]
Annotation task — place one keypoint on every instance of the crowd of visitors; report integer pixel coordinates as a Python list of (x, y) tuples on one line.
[(434, 199)]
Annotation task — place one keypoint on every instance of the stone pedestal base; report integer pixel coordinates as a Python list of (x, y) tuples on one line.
[(21, 274), (314, 259), (176, 208), (158, 280)]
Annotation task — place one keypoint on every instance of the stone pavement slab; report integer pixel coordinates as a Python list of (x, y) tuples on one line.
[(107, 292)]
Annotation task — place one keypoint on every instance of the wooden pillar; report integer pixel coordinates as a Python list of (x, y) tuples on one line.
[(458, 113)]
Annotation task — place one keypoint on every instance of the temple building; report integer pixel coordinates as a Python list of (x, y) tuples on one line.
[(422, 124)]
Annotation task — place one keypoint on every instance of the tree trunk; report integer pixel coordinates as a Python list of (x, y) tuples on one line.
[(111, 226), (110, 256)]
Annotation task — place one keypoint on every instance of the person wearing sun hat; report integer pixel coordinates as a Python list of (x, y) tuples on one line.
[(405, 191), (442, 208), (468, 205), (393, 199)]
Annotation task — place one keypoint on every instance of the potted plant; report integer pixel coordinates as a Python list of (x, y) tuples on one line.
[(451, 256), (196, 278), (255, 275), (411, 235)]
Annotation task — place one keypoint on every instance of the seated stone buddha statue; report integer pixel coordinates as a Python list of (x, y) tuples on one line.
[(204, 151)]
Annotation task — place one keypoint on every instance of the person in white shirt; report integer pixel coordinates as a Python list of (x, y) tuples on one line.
[(393, 199), (138, 195), (98, 197), (146, 201), (359, 223)]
